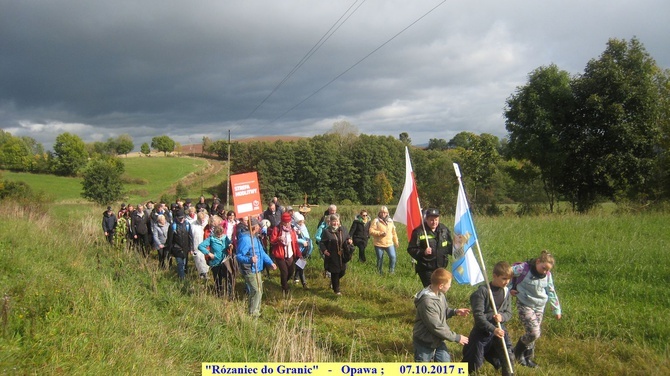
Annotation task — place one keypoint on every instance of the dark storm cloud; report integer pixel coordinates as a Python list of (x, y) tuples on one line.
[(190, 69)]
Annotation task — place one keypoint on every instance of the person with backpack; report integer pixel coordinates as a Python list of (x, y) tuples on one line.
[(430, 245), (180, 242), (360, 233), (533, 287)]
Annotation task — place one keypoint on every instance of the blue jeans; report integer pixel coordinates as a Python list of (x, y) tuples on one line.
[(181, 267), (423, 353), (380, 258)]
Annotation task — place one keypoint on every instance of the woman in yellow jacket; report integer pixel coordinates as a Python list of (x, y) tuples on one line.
[(385, 239)]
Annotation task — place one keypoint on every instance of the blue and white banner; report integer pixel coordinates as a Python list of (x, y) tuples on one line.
[(465, 267)]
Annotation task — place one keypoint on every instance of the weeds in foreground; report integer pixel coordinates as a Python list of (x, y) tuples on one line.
[(74, 305)]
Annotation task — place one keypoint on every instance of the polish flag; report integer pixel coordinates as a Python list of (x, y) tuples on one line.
[(408, 210)]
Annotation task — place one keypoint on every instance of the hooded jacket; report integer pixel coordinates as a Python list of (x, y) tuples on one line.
[(384, 226), (430, 324), (108, 222)]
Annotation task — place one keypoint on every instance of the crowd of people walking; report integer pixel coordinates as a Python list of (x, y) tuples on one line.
[(278, 239)]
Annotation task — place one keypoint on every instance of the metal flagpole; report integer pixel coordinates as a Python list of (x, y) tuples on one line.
[(483, 266)]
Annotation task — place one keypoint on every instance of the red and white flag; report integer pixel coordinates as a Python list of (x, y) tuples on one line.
[(409, 210)]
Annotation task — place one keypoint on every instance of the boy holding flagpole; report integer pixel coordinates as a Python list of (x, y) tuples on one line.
[(489, 328)]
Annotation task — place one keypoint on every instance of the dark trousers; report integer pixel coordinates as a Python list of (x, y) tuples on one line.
[(482, 346), (361, 249), (286, 268), (300, 274), (143, 244), (335, 280), (110, 237), (424, 275), (221, 277)]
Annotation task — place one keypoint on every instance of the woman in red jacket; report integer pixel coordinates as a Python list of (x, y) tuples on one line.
[(284, 248)]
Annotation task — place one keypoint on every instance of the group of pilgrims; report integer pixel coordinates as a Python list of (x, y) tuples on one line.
[(278, 239), (223, 246)]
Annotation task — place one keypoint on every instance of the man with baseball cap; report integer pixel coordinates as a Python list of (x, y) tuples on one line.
[(430, 245)]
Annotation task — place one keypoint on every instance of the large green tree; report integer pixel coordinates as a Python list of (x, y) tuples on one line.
[(615, 130), (102, 180), (536, 116), (70, 154), (163, 143)]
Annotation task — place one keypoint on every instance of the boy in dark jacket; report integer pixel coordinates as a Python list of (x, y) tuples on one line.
[(487, 340)]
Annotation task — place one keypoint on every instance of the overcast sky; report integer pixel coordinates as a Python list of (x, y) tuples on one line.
[(190, 69)]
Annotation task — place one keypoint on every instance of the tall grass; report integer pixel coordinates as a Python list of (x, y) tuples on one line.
[(75, 306)]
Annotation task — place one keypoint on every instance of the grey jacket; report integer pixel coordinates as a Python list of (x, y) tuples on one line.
[(430, 324)]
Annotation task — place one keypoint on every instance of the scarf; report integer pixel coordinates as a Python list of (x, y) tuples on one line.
[(287, 240)]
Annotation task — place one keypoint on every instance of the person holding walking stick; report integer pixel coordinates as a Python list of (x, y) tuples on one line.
[(252, 259)]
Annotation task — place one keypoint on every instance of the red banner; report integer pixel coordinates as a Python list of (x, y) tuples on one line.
[(246, 194)]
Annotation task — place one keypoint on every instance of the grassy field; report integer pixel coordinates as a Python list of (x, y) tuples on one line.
[(72, 305), (150, 178)]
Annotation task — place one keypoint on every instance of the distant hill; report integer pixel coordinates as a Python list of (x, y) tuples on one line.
[(197, 148), (270, 138)]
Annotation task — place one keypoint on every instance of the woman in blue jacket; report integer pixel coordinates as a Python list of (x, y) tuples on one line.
[(217, 248)]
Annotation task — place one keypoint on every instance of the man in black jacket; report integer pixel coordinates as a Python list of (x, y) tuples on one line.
[(141, 226), (272, 214), (109, 224), (430, 246), (179, 242)]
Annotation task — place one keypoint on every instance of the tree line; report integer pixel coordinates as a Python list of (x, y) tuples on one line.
[(600, 135)]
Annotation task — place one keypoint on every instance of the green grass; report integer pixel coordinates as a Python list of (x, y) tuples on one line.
[(57, 188), (75, 306), (158, 173)]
